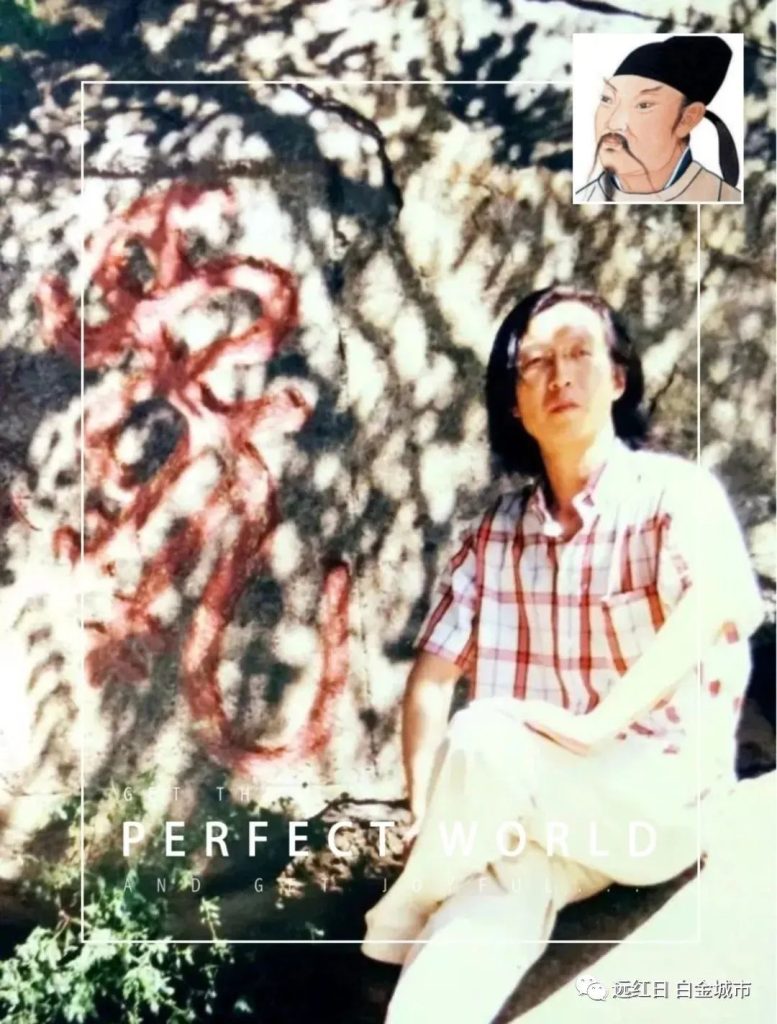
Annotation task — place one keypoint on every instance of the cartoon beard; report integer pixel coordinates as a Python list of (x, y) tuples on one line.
[(608, 141), (621, 144)]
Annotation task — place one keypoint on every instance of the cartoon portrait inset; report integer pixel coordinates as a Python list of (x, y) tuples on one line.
[(646, 124)]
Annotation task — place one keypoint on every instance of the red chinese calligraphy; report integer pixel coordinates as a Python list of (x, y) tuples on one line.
[(238, 513)]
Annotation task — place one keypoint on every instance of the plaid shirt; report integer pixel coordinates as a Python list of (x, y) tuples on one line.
[(526, 614)]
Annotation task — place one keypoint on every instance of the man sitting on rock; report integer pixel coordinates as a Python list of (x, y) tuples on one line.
[(602, 615)]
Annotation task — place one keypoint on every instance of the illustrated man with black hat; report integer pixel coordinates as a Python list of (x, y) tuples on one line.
[(658, 94)]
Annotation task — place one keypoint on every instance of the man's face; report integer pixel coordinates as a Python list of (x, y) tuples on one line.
[(644, 113), (566, 381)]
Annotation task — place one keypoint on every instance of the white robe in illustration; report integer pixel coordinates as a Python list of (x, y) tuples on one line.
[(695, 185)]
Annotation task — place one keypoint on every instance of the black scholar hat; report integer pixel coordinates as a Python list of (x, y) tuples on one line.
[(694, 65)]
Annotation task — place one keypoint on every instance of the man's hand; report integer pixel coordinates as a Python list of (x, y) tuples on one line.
[(574, 732)]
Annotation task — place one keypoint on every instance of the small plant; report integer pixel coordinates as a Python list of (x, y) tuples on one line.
[(126, 968), (19, 23)]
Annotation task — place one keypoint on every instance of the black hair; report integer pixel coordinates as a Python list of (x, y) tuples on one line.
[(515, 448), (727, 150)]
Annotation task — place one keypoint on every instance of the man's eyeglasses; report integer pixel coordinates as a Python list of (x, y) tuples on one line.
[(536, 365)]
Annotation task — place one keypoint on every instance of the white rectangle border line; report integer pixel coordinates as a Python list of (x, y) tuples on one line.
[(80, 689)]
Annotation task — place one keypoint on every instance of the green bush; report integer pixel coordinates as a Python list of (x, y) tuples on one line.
[(19, 23), (127, 969)]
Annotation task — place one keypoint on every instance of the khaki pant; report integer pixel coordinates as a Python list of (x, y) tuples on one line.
[(466, 925)]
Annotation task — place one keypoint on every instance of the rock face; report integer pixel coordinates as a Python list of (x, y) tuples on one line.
[(712, 968), (289, 296)]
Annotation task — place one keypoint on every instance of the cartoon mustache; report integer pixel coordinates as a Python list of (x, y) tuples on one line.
[(620, 140), (614, 137)]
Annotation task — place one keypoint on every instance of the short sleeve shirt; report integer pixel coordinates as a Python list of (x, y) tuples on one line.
[(528, 614)]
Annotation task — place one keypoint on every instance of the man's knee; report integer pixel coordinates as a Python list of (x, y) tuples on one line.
[(468, 729)]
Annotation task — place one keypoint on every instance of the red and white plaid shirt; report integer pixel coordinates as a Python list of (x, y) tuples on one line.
[(528, 615)]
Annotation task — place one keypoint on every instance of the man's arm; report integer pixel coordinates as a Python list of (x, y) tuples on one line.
[(680, 643), (425, 712), (704, 548), (674, 650), (679, 646)]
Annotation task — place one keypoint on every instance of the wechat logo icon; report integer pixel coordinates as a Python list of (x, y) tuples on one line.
[(588, 986)]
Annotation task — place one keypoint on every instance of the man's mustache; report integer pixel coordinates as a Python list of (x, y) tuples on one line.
[(623, 142), (614, 138), (617, 139)]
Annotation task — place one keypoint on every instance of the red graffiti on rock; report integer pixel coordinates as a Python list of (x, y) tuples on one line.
[(235, 519)]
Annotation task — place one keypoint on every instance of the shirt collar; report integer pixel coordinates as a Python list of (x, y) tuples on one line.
[(681, 166), (599, 489)]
